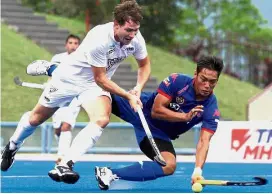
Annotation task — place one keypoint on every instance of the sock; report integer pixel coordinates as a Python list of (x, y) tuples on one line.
[(23, 130), (51, 69), (140, 171), (84, 140), (65, 139)]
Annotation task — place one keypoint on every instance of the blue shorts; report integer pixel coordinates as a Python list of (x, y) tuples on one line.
[(121, 108)]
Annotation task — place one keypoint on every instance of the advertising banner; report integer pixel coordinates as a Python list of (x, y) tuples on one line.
[(242, 141)]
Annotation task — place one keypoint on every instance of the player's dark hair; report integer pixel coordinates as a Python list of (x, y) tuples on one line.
[(127, 10), (72, 36), (210, 62)]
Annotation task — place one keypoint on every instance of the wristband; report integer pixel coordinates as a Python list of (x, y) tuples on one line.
[(197, 171)]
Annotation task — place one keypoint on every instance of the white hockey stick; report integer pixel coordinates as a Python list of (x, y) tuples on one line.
[(18, 82), (158, 158)]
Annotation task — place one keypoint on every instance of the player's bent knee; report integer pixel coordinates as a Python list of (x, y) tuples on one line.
[(34, 122), (170, 168), (102, 121), (66, 127)]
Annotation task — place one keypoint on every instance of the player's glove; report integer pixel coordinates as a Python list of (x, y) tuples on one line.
[(197, 175)]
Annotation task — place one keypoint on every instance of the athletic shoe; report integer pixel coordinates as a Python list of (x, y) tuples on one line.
[(64, 173), (7, 158), (38, 67), (53, 173), (104, 177)]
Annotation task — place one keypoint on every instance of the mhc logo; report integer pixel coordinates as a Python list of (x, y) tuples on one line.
[(255, 143)]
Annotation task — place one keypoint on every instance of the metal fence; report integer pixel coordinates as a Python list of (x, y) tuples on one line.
[(111, 144)]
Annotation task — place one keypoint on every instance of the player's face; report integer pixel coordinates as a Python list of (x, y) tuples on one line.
[(71, 45), (125, 33), (205, 81)]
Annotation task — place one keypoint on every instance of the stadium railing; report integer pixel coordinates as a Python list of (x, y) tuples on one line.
[(46, 141)]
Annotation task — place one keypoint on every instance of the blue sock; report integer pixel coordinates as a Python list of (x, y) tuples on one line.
[(51, 69), (140, 171)]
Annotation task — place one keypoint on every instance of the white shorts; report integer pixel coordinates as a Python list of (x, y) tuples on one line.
[(59, 94), (67, 114)]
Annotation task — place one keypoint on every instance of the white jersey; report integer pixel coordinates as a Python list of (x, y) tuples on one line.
[(100, 49), (59, 57)]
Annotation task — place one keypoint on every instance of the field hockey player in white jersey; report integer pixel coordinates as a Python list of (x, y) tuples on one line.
[(86, 74), (64, 118)]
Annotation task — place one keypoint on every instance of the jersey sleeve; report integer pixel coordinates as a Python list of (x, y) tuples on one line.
[(211, 116), (96, 57), (169, 86), (94, 49), (140, 51)]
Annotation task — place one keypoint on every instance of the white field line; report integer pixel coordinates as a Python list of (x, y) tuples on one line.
[(97, 157)]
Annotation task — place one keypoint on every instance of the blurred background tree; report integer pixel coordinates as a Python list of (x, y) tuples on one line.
[(232, 29)]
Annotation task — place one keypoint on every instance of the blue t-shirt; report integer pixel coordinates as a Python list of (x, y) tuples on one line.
[(179, 88)]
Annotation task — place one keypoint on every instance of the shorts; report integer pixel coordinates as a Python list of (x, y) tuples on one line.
[(59, 94), (67, 114), (121, 108), (163, 146)]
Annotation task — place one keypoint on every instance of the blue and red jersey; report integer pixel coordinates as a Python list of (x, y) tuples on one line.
[(179, 89)]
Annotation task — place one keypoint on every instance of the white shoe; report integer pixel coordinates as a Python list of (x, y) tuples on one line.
[(64, 173), (38, 67), (104, 177)]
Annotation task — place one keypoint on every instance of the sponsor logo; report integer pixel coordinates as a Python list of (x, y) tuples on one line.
[(130, 49), (174, 106), (52, 89), (183, 89), (112, 62), (180, 100), (252, 143), (111, 49), (216, 113), (166, 82)]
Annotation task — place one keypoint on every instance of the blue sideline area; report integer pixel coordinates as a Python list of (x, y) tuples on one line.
[(31, 177)]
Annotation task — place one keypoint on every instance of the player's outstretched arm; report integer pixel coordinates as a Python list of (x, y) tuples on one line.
[(160, 110), (143, 76), (201, 153)]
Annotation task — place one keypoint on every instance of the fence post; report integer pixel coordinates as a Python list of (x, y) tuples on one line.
[(43, 137), (49, 138)]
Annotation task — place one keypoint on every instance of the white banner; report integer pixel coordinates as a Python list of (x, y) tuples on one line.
[(242, 141)]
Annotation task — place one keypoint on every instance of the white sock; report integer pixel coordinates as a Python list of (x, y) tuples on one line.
[(65, 139), (84, 140), (23, 130)]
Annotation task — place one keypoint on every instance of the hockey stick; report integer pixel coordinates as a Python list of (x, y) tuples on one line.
[(158, 158), (18, 82), (259, 181)]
